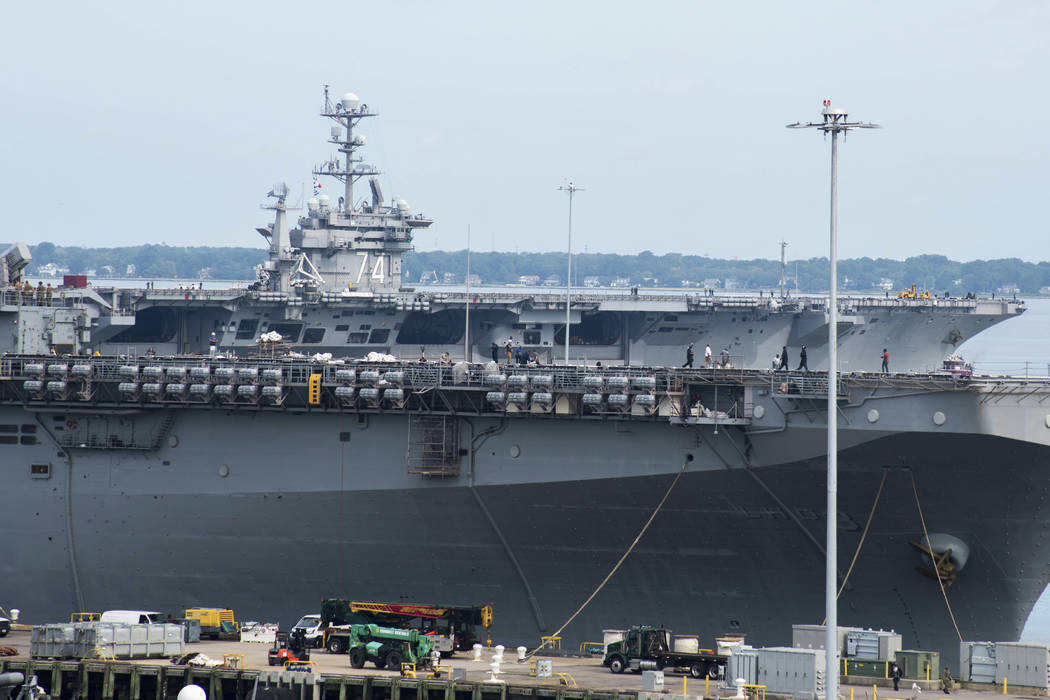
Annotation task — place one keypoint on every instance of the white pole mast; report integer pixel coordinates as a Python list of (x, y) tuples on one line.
[(466, 330), (835, 121), (572, 189)]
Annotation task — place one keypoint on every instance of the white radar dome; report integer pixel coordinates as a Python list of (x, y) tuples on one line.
[(193, 692), (359, 140), (402, 205), (350, 101), (323, 201), (311, 204)]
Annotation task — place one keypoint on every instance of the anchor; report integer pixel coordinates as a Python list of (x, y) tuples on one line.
[(944, 569)]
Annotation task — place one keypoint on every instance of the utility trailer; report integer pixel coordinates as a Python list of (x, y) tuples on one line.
[(649, 648)]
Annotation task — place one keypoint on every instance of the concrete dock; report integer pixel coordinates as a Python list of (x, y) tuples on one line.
[(330, 677)]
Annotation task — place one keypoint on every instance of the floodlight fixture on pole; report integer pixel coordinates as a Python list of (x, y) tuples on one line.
[(572, 189), (836, 121)]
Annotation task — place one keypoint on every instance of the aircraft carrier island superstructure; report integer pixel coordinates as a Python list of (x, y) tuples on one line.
[(333, 284), (267, 485)]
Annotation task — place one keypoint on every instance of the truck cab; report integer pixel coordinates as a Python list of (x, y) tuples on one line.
[(649, 648)]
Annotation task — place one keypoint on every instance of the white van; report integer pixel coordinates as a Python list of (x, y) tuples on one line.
[(311, 627), (132, 617)]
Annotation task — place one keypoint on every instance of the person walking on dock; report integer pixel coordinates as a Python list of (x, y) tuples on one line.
[(946, 681), (885, 361), (783, 358), (802, 359), (689, 356), (895, 674), (707, 355)]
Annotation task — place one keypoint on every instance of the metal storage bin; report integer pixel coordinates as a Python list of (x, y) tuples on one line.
[(742, 663), (121, 641), (915, 664), (791, 671), (56, 641), (1023, 664), (191, 629), (977, 662)]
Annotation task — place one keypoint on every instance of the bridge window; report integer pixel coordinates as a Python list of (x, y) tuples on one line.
[(313, 335), (246, 328), (357, 338), (602, 328), (444, 327), (379, 336), (289, 331)]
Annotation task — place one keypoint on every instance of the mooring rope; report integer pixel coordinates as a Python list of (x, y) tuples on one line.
[(863, 535), (622, 559), (929, 546)]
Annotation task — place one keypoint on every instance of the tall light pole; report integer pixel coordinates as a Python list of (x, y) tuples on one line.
[(466, 327), (836, 121), (572, 189)]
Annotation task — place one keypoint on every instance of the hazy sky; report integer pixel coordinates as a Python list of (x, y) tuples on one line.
[(132, 122)]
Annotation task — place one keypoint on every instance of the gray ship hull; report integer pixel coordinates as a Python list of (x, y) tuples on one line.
[(268, 513)]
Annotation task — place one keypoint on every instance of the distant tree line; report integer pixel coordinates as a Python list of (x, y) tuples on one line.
[(934, 272), (157, 261)]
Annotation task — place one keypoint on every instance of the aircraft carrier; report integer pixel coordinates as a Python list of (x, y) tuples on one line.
[(333, 284), (268, 485), (148, 467)]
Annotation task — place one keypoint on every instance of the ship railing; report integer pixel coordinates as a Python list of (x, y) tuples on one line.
[(425, 376), (421, 376), (804, 384), (56, 299)]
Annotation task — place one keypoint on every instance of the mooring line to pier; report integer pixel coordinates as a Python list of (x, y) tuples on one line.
[(659, 506), (929, 545), (70, 540), (863, 535)]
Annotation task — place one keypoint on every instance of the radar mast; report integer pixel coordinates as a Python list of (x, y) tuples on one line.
[(346, 113)]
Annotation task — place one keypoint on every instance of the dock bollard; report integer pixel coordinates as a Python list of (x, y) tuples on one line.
[(740, 683), (497, 659), (521, 654), (477, 652)]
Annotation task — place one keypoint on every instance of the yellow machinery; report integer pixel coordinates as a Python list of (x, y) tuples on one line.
[(912, 293), (216, 623), (84, 617)]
